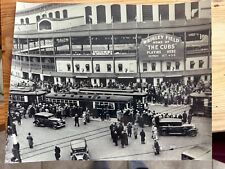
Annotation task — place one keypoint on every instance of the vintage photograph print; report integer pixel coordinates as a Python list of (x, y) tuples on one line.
[(110, 82)]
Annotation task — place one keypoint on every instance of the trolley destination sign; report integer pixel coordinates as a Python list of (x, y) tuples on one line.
[(161, 45)]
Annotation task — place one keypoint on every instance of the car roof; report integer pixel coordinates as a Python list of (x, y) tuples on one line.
[(163, 120), (198, 151), (79, 143), (45, 114)]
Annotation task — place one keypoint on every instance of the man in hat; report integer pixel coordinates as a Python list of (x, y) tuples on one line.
[(30, 140)]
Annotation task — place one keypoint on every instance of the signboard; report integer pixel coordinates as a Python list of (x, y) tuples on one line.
[(161, 45)]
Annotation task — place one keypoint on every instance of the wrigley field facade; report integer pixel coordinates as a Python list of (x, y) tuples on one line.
[(113, 42)]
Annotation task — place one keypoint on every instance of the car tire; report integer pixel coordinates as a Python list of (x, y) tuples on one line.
[(164, 133), (193, 133)]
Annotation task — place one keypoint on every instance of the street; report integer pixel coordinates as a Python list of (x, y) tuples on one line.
[(100, 144)]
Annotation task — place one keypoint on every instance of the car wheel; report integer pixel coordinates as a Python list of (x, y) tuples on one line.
[(37, 124), (164, 133), (192, 133), (54, 127)]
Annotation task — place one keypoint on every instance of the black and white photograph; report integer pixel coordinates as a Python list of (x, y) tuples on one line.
[(110, 81)]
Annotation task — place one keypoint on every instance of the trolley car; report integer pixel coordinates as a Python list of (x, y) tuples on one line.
[(94, 102), (26, 96)]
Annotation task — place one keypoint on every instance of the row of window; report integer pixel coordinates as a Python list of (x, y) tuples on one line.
[(131, 11), (97, 68), (169, 65), (147, 12), (49, 15)]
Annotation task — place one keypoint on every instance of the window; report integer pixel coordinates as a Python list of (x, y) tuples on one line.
[(115, 13), (77, 67), (44, 16), (50, 15), (177, 65), (163, 12), (22, 21), (180, 11), (68, 67), (168, 65), (194, 10), (97, 68), (192, 64), (27, 21), (65, 14), (147, 12), (145, 68), (206, 78), (120, 67), (201, 63), (45, 25), (87, 66), (109, 67), (88, 14), (38, 18), (131, 12), (153, 66), (57, 14), (101, 17)]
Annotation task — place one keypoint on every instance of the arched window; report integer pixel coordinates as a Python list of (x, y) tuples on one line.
[(131, 12), (147, 12), (45, 25), (65, 14), (115, 13), (101, 18), (27, 20), (88, 14), (22, 21), (50, 15), (38, 18), (57, 14), (44, 16)]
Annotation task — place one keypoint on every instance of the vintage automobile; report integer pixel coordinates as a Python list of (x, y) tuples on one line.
[(79, 150), (198, 152), (174, 126), (44, 119)]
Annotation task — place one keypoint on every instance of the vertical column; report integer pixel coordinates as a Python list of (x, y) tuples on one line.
[(41, 77), (139, 13), (55, 80), (108, 13), (188, 10), (155, 12), (123, 13), (30, 75), (171, 12), (94, 14)]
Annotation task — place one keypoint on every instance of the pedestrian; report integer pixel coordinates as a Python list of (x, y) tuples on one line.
[(189, 118), (76, 119), (184, 117), (115, 138), (135, 130), (125, 138), (156, 147), (142, 134), (122, 138), (14, 131), (30, 140), (129, 129), (57, 153)]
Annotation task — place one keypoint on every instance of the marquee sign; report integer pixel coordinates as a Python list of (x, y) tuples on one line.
[(161, 45)]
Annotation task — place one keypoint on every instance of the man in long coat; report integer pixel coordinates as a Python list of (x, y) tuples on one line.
[(142, 134)]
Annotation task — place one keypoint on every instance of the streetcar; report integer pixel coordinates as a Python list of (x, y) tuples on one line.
[(201, 103), (26, 96), (97, 104), (135, 94)]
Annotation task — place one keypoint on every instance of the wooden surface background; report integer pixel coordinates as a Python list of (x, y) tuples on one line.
[(218, 44)]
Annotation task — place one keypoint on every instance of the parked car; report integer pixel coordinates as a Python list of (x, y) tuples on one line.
[(174, 126), (198, 152), (79, 150), (44, 119)]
